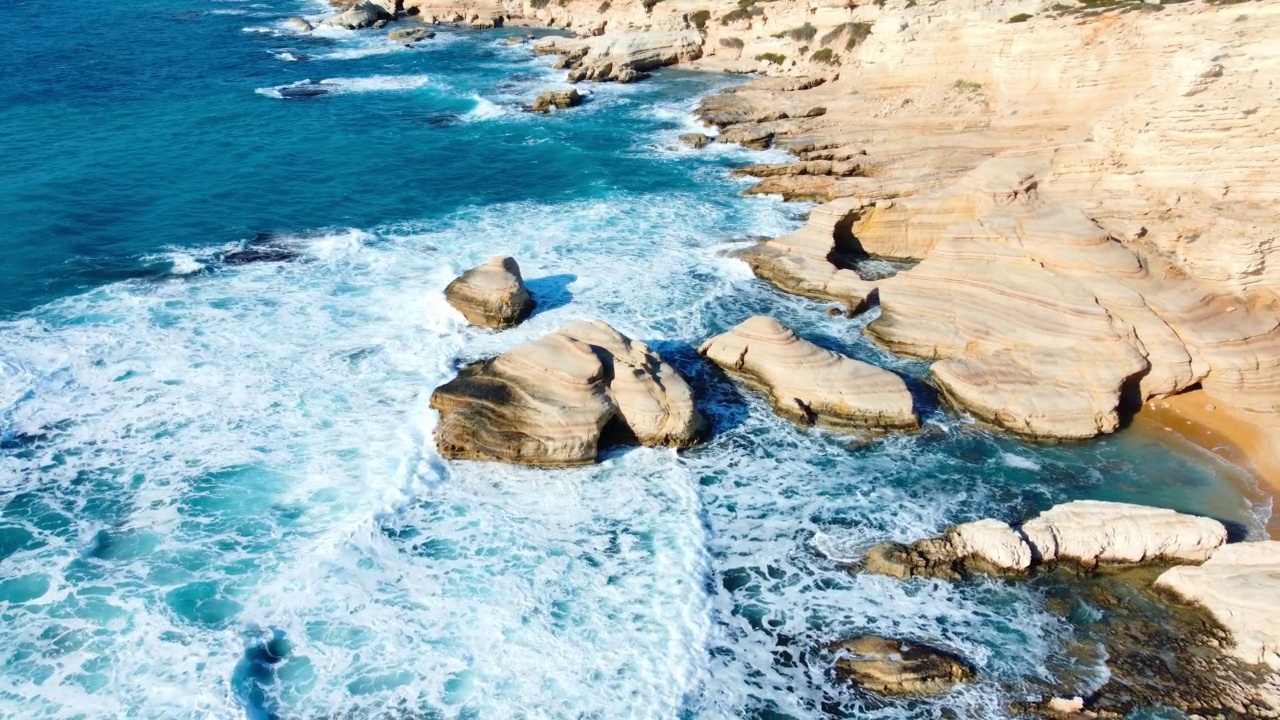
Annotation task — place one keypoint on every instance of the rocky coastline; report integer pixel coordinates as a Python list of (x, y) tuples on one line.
[(1077, 206)]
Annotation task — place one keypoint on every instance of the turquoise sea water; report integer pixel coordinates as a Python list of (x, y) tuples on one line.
[(218, 492)]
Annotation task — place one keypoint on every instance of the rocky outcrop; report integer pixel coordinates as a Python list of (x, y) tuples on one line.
[(559, 400), (1092, 532), (1240, 587), (696, 141), (410, 35), (559, 99), (898, 667), (808, 384), (360, 15), (625, 56), (299, 24), (1086, 533), (491, 295)]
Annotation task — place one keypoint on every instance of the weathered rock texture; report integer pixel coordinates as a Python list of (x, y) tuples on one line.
[(557, 400), (1240, 587), (491, 295), (897, 667), (559, 99), (1087, 533), (808, 384)]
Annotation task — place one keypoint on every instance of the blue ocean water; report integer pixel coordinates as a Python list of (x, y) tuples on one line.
[(218, 492)]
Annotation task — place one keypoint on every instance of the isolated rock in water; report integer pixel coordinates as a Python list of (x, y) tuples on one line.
[(492, 295), (299, 24), (808, 384), (488, 23), (897, 667), (361, 15), (302, 90), (984, 546), (695, 140), (1240, 586), (410, 35), (557, 400), (1094, 531), (561, 99)]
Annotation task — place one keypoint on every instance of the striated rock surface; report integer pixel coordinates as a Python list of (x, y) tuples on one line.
[(410, 35), (808, 384), (898, 667), (1240, 587), (623, 57), (1086, 532), (558, 400), (1093, 531), (491, 295)]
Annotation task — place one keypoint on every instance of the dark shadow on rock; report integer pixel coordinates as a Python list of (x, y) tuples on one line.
[(550, 292)]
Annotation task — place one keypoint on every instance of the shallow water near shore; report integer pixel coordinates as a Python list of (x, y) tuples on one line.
[(218, 491)]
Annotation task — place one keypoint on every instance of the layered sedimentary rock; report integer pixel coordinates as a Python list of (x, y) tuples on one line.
[(625, 56), (808, 384), (1240, 587), (491, 295), (558, 400), (897, 667), (360, 15), (559, 99), (1085, 532)]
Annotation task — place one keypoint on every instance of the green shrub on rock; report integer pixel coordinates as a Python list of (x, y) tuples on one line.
[(700, 18), (774, 58), (1020, 17), (732, 42), (825, 56)]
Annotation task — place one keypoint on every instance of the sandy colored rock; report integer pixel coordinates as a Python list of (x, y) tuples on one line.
[(1094, 531), (1240, 586), (987, 547), (623, 56), (558, 400), (410, 35), (695, 140), (491, 295), (299, 24), (808, 384), (559, 99), (361, 15), (898, 667)]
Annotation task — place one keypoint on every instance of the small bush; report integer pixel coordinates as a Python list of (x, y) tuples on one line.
[(775, 58), (732, 42), (539, 4), (1020, 17), (734, 16), (604, 7), (826, 57), (856, 31), (804, 33), (648, 4), (967, 86), (700, 18)]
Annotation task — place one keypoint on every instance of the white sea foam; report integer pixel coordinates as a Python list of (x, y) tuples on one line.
[(484, 110), (184, 264), (344, 86), (1019, 462)]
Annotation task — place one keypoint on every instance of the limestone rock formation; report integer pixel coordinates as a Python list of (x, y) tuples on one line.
[(696, 141), (808, 384), (559, 99), (1240, 587), (299, 24), (491, 295), (622, 57), (558, 400), (360, 15), (410, 35), (897, 667), (1085, 532), (1093, 531)]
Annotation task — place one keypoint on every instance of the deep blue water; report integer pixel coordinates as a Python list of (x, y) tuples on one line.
[(218, 494)]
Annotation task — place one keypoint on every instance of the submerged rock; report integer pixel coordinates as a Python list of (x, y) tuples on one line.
[(302, 90), (1239, 585), (560, 99), (491, 295), (558, 400), (898, 667), (695, 140), (808, 384)]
